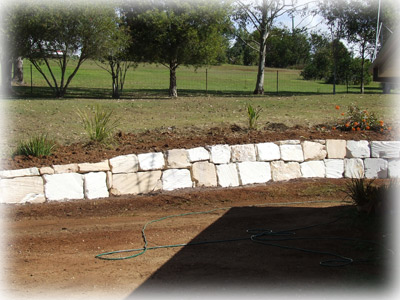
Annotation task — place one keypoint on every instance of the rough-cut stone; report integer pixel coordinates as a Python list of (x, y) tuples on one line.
[(385, 149), (313, 151), (204, 174), (268, 152), (227, 175), (241, 153), (285, 171), (109, 180), (375, 168), (334, 168), (178, 159), (357, 149), (336, 148), (102, 166), (65, 186), (220, 154), (151, 161), (19, 173), (394, 168), (353, 168), (292, 152), (46, 170), (136, 183), (95, 185), (254, 172), (289, 142), (173, 179), (198, 154), (21, 190), (315, 168), (124, 164), (69, 168)]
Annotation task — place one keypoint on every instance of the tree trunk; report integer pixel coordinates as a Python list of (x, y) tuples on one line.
[(18, 71), (259, 90), (362, 69), (6, 67), (173, 91)]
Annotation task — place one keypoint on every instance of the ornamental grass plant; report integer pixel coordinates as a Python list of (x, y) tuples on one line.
[(38, 145)]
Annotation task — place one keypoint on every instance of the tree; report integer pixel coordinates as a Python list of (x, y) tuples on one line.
[(55, 32), (177, 32)]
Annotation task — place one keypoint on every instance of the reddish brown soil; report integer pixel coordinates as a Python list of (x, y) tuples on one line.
[(163, 139), (50, 248)]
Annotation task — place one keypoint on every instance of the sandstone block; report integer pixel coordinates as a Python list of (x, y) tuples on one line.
[(313, 151), (178, 159), (242, 153), (285, 171), (173, 179), (136, 183), (310, 169), (46, 170), (336, 148), (109, 179), (204, 174), (151, 161), (385, 149), (220, 154), (22, 189), (95, 185), (289, 142), (65, 186), (102, 166), (292, 152), (394, 168), (375, 168), (69, 168), (124, 164), (227, 175), (268, 152), (357, 149), (19, 173), (254, 172), (198, 154), (334, 168), (353, 168)]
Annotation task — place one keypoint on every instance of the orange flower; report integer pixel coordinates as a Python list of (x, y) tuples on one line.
[(355, 123), (337, 107), (347, 125), (381, 122), (389, 128), (363, 120), (352, 128), (381, 130), (342, 114), (368, 128), (333, 128), (358, 129)]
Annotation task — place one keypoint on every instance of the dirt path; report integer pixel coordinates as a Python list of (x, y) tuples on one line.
[(51, 248)]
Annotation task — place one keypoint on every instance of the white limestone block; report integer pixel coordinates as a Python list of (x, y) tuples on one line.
[(285, 171), (314, 168), (22, 190), (151, 161), (268, 152), (204, 174), (394, 168), (178, 159), (241, 153), (101, 166), (289, 142), (198, 154), (336, 148), (357, 149), (220, 154), (95, 185), (292, 153), (65, 186), (136, 183), (385, 149), (313, 151), (68, 168), (334, 168), (19, 173), (353, 168), (173, 179), (227, 175), (109, 179), (375, 168), (124, 164), (254, 172)]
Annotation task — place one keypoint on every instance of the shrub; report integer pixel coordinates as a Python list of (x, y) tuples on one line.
[(98, 125), (252, 115), (39, 145)]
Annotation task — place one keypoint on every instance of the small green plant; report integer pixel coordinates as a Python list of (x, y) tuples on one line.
[(252, 115), (98, 125), (39, 145)]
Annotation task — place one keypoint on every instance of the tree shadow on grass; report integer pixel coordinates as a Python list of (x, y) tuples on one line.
[(245, 268)]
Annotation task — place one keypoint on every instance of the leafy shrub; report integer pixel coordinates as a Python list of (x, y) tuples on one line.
[(98, 125), (39, 145), (252, 115)]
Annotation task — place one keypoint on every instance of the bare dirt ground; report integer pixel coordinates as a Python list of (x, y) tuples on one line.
[(50, 248)]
